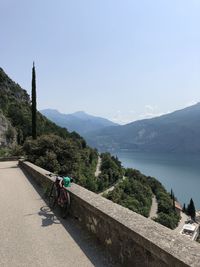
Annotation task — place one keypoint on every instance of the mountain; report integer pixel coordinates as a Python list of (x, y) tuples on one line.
[(178, 131), (80, 121)]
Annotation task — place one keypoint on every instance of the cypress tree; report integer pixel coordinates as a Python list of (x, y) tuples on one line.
[(34, 105), (191, 209), (184, 208)]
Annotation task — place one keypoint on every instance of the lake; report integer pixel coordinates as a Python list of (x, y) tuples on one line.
[(176, 171)]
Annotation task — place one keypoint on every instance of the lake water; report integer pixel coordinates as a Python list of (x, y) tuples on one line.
[(176, 171)]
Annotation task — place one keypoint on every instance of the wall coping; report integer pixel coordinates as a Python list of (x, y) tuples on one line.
[(154, 237)]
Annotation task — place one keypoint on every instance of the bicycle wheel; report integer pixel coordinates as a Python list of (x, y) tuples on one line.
[(53, 196), (66, 205)]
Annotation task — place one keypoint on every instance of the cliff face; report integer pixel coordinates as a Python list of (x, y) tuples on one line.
[(10, 90), (7, 132)]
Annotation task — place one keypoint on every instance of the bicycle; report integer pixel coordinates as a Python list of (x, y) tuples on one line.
[(59, 196)]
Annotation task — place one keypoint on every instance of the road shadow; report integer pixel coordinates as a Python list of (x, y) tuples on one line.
[(90, 246)]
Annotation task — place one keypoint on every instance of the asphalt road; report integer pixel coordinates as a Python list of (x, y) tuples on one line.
[(31, 235)]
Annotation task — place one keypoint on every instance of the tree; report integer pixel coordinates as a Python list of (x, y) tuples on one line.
[(34, 105), (184, 208), (191, 209)]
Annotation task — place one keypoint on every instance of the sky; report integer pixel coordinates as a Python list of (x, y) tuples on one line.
[(120, 59)]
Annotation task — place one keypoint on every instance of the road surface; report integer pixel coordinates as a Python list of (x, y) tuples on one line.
[(98, 168), (31, 235), (154, 208)]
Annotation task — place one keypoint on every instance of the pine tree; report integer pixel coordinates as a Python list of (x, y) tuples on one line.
[(34, 105)]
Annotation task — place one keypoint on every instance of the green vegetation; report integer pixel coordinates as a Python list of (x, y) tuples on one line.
[(111, 171), (191, 211), (135, 193), (132, 194), (64, 156), (166, 213)]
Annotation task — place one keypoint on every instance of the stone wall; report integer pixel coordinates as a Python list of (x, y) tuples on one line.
[(131, 239)]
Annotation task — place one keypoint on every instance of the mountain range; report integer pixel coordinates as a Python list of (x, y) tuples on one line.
[(178, 131), (79, 121)]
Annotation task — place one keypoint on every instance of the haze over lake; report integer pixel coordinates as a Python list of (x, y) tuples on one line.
[(176, 171)]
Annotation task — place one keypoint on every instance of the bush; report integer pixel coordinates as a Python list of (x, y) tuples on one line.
[(65, 157), (169, 220), (132, 194)]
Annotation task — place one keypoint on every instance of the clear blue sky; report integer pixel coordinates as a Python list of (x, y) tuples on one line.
[(123, 60)]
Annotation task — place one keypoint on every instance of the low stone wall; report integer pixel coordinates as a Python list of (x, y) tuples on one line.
[(131, 239)]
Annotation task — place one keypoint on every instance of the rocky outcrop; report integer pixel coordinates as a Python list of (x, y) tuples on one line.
[(7, 132)]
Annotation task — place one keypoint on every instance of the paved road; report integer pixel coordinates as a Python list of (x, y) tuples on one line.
[(98, 168), (154, 208), (112, 187), (184, 218), (31, 235)]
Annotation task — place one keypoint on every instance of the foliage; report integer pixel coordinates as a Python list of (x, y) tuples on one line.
[(168, 219), (64, 156), (4, 152), (166, 204), (191, 211), (10, 134), (133, 194), (111, 171)]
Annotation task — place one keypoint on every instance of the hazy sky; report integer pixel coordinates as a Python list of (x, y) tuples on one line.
[(120, 59)]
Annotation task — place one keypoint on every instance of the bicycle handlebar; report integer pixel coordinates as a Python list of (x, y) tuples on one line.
[(56, 175)]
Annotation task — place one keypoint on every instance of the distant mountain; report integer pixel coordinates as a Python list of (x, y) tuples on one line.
[(80, 121), (175, 132)]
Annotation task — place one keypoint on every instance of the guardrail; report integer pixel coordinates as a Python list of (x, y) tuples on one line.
[(131, 239)]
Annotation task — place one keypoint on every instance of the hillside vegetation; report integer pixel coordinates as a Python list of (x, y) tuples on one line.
[(135, 192)]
